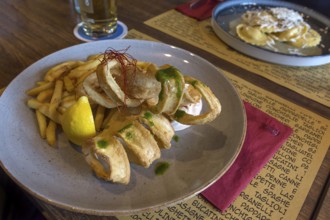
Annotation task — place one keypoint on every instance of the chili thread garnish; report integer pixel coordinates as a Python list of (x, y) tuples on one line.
[(126, 61)]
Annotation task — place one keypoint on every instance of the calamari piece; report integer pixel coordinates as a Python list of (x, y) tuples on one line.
[(142, 83), (109, 84), (190, 96), (140, 145), (212, 101), (96, 94), (80, 91), (252, 35), (291, 34), (192, 109), (171, 94), (119, 118), (160, 127), (108, 159), (311, 39)]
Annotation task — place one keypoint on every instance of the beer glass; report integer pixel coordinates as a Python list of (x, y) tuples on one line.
[(99, 17)]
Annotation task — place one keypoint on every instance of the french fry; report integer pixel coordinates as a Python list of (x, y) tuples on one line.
[(68, 98), (44, 109), (34, 103), (44, 95), (65, 94), (68, 84), (57, 71), (61, 109), (107, 119), (51, 133), (39, 83), (42, 123), (95, 57), (36, 90), (88, 66), (56, 98), (99, 116), (66, 103), (57, 92), (55, 116), (84, 76)]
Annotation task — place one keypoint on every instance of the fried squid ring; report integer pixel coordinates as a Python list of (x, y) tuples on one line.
[(96, 94), (110, 86), (214, 105), (140, 145), (160, 127), (171, 94), (108, 159)]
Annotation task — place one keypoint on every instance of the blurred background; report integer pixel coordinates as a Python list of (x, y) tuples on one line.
[(322, 6)]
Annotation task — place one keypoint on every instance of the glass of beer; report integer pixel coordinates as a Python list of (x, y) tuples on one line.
[(99, 17)]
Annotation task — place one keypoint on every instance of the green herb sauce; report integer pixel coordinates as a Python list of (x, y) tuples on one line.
[(179, 113), (168, 74), (125, 127), (148, 115), (129, 135), (176, 138), (102, 143), (193, 83), (161, 168)]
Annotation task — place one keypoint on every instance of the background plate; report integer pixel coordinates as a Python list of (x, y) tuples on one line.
[(60, 175), (227, 13)]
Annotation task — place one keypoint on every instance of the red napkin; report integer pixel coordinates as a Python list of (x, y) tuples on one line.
[(264, 136), (200, 11)]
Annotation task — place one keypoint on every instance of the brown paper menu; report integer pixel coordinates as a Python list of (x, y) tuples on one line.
[(312, 82), (281, 187)]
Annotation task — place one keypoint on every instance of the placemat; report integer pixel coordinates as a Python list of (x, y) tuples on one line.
[(281, 187)]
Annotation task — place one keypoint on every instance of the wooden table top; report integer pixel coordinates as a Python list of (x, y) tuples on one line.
[(30, 30)]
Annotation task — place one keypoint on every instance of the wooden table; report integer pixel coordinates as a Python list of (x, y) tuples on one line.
[(30, 30)]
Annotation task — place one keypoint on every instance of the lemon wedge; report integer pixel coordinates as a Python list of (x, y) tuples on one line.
[(78, 122)]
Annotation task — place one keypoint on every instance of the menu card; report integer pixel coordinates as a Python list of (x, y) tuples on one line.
[(312, 82), (281, 187)]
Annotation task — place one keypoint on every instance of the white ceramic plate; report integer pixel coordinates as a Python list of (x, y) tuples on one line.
[(61, 176), (226, 14)]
